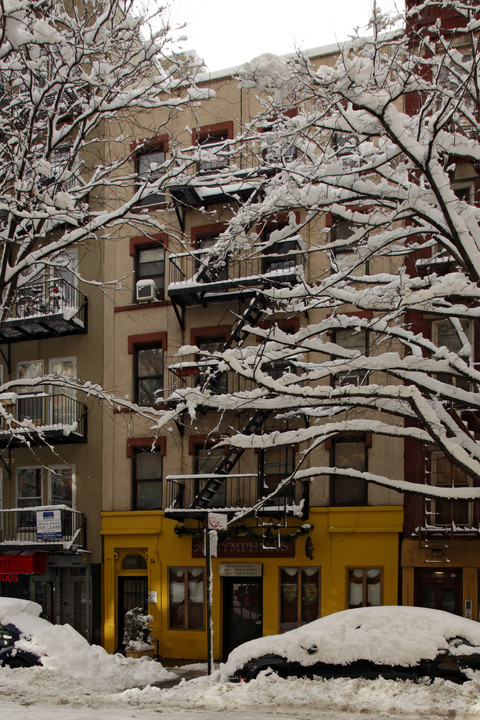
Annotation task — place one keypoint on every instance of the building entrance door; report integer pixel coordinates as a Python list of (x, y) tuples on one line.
[(439, 589), (242, 611), (132, 593)]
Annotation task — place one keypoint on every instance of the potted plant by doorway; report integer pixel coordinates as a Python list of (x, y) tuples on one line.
[(137, 637)]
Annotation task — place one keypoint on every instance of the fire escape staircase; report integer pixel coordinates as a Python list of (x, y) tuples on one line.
[(251, 316), (226, 463)]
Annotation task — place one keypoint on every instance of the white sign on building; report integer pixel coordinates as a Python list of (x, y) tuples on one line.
[(49, 524)]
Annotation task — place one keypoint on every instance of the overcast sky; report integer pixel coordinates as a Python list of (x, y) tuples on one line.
[(229, 32)]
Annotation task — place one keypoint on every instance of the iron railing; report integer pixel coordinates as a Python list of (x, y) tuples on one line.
[(193, 372), (238, 491), (46, 413), (196, 267), (20, 526), (49, 297)]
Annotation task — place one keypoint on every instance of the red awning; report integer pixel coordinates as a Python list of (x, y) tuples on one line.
[(23, 563)]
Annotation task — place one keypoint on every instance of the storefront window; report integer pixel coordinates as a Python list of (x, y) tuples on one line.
[(299, 596), (364, 587), (186, 597)]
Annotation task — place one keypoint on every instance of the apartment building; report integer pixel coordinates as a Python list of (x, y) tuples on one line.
[(50, 549), (440, 547), (313, 549)]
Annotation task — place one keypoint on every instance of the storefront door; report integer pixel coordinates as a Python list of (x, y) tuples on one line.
[(439, 589), (132, 593), (242, 611)]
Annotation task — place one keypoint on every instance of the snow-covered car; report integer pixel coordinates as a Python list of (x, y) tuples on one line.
[(15, 615), (27, 639), (388, 641)]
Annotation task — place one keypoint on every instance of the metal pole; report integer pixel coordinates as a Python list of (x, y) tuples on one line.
[(208, 562)]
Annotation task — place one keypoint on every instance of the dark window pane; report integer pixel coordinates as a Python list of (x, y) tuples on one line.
[(288, 598), (149, 168), (176, 598), (310, 594), (186, 598), (149, 495), (150, 265), (148, 474), (149, 375)]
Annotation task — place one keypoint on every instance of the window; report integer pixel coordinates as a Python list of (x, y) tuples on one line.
[(30, 404), (149, 163), (148, 375), (63, 400), (203, 241), (448, 512), (65, 169), (217, 382), (349, 452), (150, 265), (186, 598), (206, 459), (356, 342), (299, 596), (446, 334), (343, 143), (214, 152), (281, 255), (148, 366), (134, 562), (364, 587), (61, 482), (346, 257), (147, 478), (274, 465), (29, 493), (464, 192)]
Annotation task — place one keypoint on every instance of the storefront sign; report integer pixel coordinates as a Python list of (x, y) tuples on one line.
[(49, 524), (21, 564), (245, 547), (240, 569)]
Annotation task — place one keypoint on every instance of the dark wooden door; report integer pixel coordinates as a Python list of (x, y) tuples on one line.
[(440, 589), (242, 611)]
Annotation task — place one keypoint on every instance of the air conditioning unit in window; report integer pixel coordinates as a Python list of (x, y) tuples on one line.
[(145, 290)]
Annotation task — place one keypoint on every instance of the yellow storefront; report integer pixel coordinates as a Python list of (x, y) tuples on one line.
[(341, 557)]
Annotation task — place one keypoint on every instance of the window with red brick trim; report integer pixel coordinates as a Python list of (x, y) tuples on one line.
[(149, 266), (150, 157), (203, 238), (147, 472), (148, 367), (212, 138)]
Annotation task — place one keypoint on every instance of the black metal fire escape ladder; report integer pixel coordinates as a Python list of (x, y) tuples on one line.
[(227, 462)]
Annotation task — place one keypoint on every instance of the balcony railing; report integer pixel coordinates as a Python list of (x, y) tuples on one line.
[(238, 491), (41, 417), (45, 309), (192, 372), (42, 525), (228, 171), (194, 277)]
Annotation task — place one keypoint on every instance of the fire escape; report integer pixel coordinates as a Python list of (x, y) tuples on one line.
[(246, 283)]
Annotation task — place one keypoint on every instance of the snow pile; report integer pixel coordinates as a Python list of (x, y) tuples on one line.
[(63, 649), (271, 696), (384, 635)]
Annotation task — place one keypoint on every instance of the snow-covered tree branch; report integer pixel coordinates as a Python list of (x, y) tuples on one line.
[(71, 75), (376, 160)]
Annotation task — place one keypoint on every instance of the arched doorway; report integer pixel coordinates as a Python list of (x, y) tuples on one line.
[(132, 587)]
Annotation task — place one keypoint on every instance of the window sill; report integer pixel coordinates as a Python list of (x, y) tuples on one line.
[(142, 306)]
